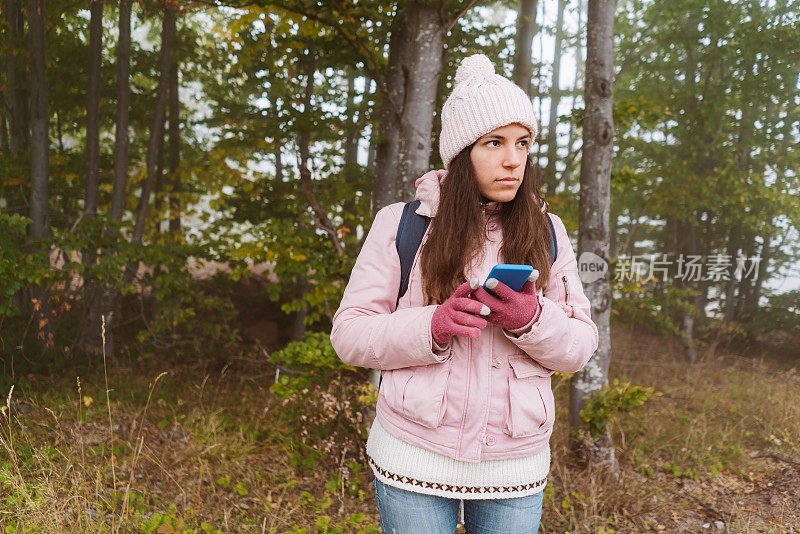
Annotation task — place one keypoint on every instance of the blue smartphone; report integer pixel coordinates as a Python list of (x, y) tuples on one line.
[(511, 274)]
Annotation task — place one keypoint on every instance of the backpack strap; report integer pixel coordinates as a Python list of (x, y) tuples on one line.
[(409, 237), (553, 241)]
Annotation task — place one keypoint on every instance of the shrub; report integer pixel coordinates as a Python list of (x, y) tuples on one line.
[(325, 401), (611, 400)]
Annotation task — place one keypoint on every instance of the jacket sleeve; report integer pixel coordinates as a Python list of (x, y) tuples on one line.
[(367, 330), (562, 337)]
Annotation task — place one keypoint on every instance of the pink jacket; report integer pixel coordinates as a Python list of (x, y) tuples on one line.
[(487, 398)]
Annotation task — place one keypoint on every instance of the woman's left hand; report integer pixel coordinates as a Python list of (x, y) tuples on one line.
[(514, 309)]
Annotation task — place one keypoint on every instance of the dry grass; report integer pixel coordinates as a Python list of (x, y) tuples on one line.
[(207, 448), (195, 448), (717, 446)]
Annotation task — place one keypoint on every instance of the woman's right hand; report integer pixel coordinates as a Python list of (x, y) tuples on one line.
[(459, 315)]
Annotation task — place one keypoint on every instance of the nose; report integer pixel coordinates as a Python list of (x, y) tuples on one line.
[(513, 158)]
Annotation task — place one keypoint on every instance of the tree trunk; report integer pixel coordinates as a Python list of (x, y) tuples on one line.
[(122, 139), (766, 252), (174, 150), (351, 140), (437, 124), (157, 127), (5, 148), (730, 285), (555, 98), (388, 142), (158, 186), (594, 205), (93, 109), (568, 167), (701, 301), (372, 153), (158, 213), (415, 54), (156, 131), (40, 164), (743, 164), (91, 286), (16, 94), (687, 337), (523, 46), (422, 82), (278, 164), (303, 146), (688, 237), (745, 285), (299, 319), (703, 239), (59, 132), (101, 306), (578, 72), (40, 142)]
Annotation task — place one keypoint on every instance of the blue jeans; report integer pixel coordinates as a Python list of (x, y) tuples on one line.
[(408, 512)]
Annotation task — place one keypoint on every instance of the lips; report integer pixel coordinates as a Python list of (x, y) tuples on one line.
[(507, 180)]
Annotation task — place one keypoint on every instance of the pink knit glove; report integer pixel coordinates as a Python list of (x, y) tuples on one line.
[(459, 315), (513, 309)]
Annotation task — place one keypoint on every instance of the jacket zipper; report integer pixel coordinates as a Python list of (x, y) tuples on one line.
[(566, 294)]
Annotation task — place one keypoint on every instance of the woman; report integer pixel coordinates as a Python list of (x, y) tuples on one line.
[(465, 408)]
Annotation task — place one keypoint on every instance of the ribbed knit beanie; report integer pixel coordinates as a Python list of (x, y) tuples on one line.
[(481, 101)]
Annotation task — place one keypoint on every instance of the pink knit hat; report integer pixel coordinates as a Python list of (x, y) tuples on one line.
[(481, 101)]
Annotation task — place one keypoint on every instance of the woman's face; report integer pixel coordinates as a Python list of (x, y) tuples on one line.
[(499, 159)]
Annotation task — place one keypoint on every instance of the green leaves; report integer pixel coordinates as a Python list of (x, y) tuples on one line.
[(314, 353), (702, 110), (19, 268), (611, 400)]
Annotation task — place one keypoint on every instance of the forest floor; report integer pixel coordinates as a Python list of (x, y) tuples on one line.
[(202, 447)]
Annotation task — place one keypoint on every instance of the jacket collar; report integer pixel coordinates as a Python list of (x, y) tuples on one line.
[(428, 192)]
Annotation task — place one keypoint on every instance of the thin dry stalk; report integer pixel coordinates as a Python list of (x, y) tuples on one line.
[(80, 428), (153, 458), (7, 413), (80, 419), (10, 445), (12, 453), (138, 451), (342, 479), (110, 433), (136, 454)]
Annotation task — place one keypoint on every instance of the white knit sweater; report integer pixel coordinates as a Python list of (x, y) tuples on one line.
[(399, 464)]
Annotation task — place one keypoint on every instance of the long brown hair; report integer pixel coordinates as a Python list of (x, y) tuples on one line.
[(458, 230)]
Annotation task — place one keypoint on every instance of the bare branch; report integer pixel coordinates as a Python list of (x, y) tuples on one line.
[(321, 218), (450, 22)]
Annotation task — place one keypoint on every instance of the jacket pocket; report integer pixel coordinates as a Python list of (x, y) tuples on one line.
[(419, 393), (531, 407)]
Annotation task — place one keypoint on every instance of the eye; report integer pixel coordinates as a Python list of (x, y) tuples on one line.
[(524, 143), (489, 143)]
